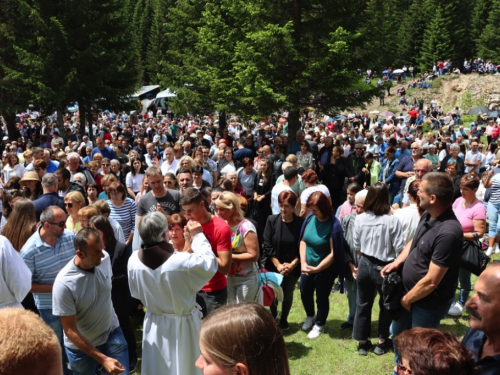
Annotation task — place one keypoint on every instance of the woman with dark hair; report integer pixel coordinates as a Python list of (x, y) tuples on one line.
[(176, 224), (134, 177), (92, 190), (443, 151), (106, 167), (281, 251), (227, 164), (12, 168), (321, 260), (246, 176), (334, 176), (123, 210), (198, 182), (429, 351), (170, 181), (471, 213), (305, 158), (451, 170), (31, 186), (40, 167), (256, 329), (310, 179), (379, 237), (388, 172), (263, 185), (120, 292), (371, 170)]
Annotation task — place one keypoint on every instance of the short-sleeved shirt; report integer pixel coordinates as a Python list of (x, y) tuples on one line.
[(440, 241), (317, 236), (169, 203), (45, 261), (467, 215), (134, 182), (124, 215), (218, 234), (277, 190), (86, 294), (238, 234)]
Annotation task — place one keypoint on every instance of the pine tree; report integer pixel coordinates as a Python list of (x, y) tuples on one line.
[(479, 20), (436, 43), (488, 45), (142, 23)]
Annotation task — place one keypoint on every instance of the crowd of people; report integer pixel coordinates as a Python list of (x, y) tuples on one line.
[(180, 223)]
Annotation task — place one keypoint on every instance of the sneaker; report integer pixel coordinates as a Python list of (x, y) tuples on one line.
[(346, 325), (336, 287), (308, 323), (363, 349), (456, 310), (315, 332), (284, 326), (383, 348), (490, 251), (497, 249)]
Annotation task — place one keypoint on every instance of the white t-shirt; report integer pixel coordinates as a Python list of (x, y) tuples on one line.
[(307, 193), (134, 182)]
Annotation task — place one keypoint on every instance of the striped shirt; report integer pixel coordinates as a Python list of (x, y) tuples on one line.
[(495, 189), (124, 215), (45, 262)]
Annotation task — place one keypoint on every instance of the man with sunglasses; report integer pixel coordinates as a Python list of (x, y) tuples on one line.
[(45, 253)]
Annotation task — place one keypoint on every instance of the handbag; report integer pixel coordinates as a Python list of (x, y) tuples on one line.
[(473, 258)]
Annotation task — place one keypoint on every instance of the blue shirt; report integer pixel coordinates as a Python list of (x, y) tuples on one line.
[(53, 165), (45, 262), (106, 153), (474, 340)]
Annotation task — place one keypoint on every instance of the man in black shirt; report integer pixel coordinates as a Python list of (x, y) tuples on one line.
[(431, 261)]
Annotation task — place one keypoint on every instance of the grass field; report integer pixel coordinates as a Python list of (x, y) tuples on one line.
[(334, 352)]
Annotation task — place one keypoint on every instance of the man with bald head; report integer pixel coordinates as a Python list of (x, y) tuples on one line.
[(483, 336), (420, 168)]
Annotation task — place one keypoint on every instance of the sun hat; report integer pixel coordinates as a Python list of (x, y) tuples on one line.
[(30, 176)]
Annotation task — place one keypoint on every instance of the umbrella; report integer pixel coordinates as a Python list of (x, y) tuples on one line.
[(398, 71), (385, 72), (386, 113), (339, 118), (478, 111), (374, 112), (493, 114)]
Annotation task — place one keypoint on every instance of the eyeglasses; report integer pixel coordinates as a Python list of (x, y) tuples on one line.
[(105, 165), (60, 224)]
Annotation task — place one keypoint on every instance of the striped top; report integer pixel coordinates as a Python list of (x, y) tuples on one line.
[(495, 189), (124, 215), (45, 262)]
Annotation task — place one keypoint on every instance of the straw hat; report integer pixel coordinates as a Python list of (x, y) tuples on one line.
[(30, 176)]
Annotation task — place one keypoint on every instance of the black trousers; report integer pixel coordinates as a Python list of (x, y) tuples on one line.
[(369, 282), (288, 286)]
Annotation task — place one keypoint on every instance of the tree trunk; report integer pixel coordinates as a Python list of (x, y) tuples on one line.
[(83, 119), (222, 122), (90, 121), (10, 119)]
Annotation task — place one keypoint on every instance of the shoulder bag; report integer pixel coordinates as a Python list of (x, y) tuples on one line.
[(473, 257)]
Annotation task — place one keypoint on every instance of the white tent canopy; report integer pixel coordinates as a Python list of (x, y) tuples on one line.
[(165, 94)]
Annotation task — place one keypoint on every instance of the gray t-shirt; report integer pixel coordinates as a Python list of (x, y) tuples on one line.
[(86, 294), (169, 202)]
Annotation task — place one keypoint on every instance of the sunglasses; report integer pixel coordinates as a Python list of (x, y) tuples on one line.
[(169, 182), (60, 224), (68, 204), (105, 165)]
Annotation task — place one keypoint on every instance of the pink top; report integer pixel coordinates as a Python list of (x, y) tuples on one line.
[(346, 209), (466, 215)]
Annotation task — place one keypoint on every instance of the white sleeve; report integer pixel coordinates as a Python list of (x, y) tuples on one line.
[(129, 180), (16, 273), (202, 263)]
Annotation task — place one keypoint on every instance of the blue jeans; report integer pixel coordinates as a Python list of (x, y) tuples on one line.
[(54, 322), (351, 289), (493, 218), (323, 283), (115, 347), (465, 285), (418, 317)]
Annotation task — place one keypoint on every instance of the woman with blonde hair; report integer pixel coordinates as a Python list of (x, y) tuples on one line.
[(186, 162), (243, 278), (73, 201), (258, 347)]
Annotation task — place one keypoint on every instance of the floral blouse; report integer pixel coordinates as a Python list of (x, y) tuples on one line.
[(238, 234), (306, 161)]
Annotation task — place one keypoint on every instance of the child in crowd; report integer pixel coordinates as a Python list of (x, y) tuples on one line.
[(349, 205)]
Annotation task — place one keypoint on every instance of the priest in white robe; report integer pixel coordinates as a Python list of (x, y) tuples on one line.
[(166, 281)]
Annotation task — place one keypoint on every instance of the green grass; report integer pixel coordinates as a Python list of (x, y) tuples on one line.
[(334, 352)]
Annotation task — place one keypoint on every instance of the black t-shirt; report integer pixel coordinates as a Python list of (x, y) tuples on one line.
[(169, 202), (440, 241)]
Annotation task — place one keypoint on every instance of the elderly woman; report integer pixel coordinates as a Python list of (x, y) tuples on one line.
[(281, 251), (378, 235), (453, 157), (105, 167), (73, 201), (237, 188), (116, 168), (12, 168), (305, 158), (186, 162), (86, 213), (123, 210), (243, 278), (321, 261)]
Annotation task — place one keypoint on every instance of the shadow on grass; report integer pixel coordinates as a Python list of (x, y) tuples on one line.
[(297, 350)]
